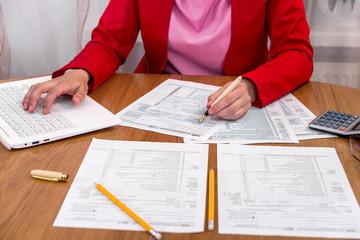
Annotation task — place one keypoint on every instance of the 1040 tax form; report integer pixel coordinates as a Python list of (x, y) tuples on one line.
[(285, 191), (163, 183)]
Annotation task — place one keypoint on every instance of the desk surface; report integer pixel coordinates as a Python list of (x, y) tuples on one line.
[(28, 207)]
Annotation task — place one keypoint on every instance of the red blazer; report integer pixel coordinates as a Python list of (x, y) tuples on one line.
[(276, 72)]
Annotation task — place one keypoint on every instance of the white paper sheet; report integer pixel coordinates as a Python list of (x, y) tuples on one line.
[(299, 117), (266, 125), (174, 108), (285, 120), (285, 191), (163, 183)]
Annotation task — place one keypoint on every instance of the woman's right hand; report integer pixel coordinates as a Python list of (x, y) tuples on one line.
[(74, 82)]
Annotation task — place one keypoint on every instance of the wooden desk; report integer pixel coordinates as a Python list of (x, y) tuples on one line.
[(28, 207)]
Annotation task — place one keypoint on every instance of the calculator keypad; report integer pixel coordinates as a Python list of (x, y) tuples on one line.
[(336, 122)]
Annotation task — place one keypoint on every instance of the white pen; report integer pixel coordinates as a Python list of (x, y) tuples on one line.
[(223, 94)]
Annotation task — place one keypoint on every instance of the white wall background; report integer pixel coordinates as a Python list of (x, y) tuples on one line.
[(44, 35), (40, 36), (335, 37)]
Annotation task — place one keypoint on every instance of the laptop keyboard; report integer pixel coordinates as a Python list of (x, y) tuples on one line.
[(23, 122)]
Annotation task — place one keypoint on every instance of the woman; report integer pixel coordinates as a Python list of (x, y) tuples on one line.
[(207, 37)]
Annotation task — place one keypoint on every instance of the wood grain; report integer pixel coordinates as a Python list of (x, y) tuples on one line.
[(28, 207)]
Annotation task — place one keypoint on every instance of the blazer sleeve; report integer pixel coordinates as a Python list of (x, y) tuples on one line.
[(111, 42), (290, 60)]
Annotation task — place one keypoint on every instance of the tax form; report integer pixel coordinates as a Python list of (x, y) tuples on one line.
[(285, 191), (174, 108), (163, 183), (285, 120), (265, 125), (299, 117)]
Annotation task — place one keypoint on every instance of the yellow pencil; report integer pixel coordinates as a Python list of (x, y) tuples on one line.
[(211, 200), (152, 231)]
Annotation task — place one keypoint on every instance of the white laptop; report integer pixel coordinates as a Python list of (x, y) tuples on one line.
[(21, 129)]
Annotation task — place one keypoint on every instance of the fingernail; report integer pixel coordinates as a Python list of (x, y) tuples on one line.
[(25, 106), (45, 110)]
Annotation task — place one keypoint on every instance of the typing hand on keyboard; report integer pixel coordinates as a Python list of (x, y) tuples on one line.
[(26, 123), (74, 82)]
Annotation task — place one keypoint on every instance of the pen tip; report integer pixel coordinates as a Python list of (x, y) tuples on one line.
[(202, 118)]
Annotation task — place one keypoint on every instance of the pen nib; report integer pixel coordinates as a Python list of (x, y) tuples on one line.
[(202, 118)]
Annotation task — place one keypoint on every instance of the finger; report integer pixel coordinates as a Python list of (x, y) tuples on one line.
[(232, 103), (216, 94), (59, 89), (234, 111), (225, 102), (26, 99), (33, 95), (80, 94)]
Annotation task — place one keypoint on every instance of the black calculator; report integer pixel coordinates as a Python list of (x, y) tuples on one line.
[(339, 123)]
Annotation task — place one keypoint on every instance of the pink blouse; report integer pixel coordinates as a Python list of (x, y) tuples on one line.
[(199, 37)]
